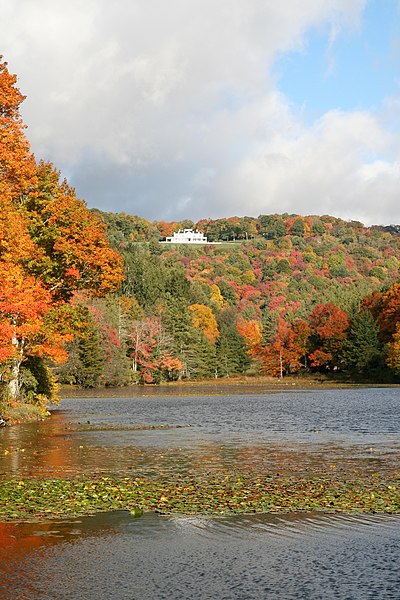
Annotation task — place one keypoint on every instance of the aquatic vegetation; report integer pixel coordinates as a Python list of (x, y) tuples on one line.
[(205, 494)]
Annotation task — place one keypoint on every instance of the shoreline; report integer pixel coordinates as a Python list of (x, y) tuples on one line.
[(235, 385)]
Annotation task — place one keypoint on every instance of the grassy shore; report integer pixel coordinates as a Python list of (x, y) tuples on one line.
[(23, 413)]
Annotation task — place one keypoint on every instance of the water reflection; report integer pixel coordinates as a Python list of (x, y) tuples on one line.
[(263, 434), (48, 451)]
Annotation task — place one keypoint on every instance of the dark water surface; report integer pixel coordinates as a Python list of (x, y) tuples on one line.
[(239, 557), (243, 557)]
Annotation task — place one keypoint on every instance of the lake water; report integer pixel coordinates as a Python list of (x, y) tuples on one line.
[(238, 557)]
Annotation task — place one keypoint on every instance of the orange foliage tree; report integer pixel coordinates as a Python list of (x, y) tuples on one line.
[(74, 252), (283, 355), (389, 313), (28, 324), (385, 307), (394, 351), (250, 330), (50, 246), (17, 165)]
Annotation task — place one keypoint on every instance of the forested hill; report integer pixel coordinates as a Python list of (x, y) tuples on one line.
[(274, 259), (282, 294)]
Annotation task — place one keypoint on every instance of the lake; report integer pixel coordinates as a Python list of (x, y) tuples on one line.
[(310, 555)]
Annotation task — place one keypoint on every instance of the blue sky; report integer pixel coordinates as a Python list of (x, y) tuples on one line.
[(196, 108), (352, 68)]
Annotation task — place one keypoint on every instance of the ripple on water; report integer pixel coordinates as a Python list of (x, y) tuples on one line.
[(243, 557), (288, 524)]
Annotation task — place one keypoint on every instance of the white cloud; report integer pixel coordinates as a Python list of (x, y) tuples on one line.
[(331, 168), (169, 109)]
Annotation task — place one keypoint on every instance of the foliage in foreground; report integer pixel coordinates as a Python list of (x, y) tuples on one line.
[(206, 494), (51, 245)]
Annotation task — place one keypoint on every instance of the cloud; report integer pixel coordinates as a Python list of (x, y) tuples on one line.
[(333, 168), (169, 109)]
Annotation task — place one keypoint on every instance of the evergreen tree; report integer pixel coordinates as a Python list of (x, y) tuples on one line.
[(145, 276), (85, 357), (91, 357), (200, 357), (231, 353), (269, 323), (230, 348), (363, 351)]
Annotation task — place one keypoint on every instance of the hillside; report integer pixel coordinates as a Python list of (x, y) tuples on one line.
[(282, 295), (276, 258)]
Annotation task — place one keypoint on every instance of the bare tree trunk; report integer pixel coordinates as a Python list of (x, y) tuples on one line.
[(135, 353), (14, 383)]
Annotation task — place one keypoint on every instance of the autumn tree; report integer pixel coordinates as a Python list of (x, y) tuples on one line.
[(74, 252), (50, 245), (17, 165), (389, 313), (114, 316), (204, 320), (286, 348), (250, 330), (29, 324), (150, 350), (329, 325), (394, 351)]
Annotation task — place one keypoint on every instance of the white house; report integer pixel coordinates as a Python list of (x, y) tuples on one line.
[(187, 236)]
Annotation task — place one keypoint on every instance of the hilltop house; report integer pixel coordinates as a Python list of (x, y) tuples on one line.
[(187, 236)]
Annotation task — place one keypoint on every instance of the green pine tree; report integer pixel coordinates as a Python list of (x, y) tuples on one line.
[(231, 353), (230, 348), (91, 357), (200, 357), (363, 351)]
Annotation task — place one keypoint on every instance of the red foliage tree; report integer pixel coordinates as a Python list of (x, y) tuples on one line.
[(148, 348), (329, 325)]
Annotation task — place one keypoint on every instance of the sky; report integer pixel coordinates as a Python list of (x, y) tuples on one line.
[(214, 108)]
